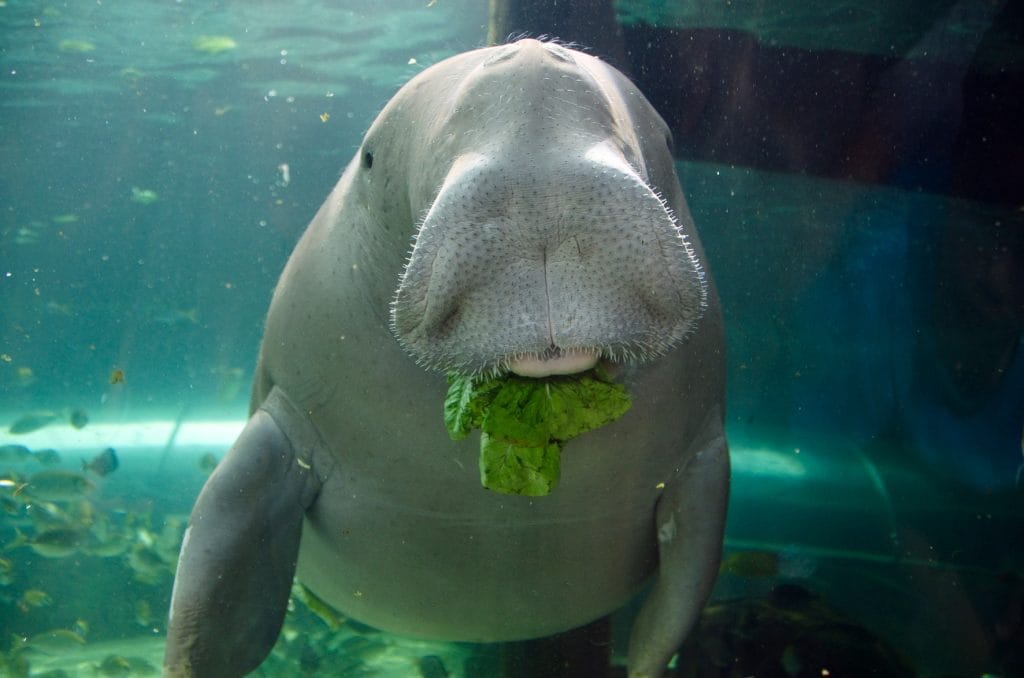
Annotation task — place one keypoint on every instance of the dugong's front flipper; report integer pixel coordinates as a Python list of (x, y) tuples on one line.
[(691, 520), (239, 554)]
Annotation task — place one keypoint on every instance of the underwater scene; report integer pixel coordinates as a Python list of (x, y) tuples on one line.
[(853, 172)]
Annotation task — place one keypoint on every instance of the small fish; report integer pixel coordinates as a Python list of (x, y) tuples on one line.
[(116, 376), (148, 566), (9, 505), (15, 454), (103, 463), (317, 606), (78, 419), (55, 642), (56, 308), (790, 661), (143, 613), (325, 116), (104, 543), (431, 666), (178, 316), (56, 543), (214, 44), (26, 236), (231, 382), (6, 572), (64, 219), (132, 74), (48, 456), (76, 46), (34, 598), (58, 485), (47, 515), (208, 462), (754, 564), (168, 541), (144, 196), (15, 483), (117, 665), (33, 421)]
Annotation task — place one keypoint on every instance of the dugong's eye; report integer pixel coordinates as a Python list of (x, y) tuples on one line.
[(367, 159)]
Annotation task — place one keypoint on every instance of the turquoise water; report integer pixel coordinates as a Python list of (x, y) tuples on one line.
[(160, 161)]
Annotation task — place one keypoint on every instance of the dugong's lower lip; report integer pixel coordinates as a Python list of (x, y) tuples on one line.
[(565, 362)]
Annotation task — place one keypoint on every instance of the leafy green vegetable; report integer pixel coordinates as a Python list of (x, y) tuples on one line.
[(524, 423), (519, 469)]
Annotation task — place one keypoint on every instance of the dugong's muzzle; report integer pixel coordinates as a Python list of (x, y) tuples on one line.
[(561, 259)]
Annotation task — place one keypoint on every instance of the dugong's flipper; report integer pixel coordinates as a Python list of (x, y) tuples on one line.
[(690, 519), (239, 554)]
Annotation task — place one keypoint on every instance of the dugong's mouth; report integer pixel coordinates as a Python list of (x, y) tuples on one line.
[(554, 361)]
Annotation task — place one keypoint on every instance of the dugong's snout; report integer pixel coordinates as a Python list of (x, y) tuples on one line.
[(544, 266)]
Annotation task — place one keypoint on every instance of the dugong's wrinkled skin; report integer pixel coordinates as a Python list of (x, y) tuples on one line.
[(550, 232)]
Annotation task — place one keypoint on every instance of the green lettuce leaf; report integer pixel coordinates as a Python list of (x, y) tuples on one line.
[(511, 468), (524, 422)]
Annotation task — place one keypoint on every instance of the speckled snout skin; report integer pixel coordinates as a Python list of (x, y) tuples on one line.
[(514, 207)]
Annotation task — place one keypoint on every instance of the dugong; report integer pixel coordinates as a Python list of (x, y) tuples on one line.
[(512, 209)]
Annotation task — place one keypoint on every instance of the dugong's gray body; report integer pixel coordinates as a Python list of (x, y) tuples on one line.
[(551, 232)]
